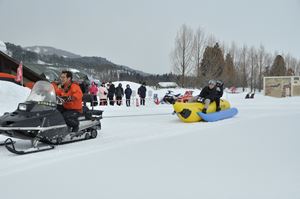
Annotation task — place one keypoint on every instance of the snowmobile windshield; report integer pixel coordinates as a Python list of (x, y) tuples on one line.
[(44, 93)]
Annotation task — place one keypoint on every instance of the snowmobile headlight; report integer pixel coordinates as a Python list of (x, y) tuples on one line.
[(22, 107)]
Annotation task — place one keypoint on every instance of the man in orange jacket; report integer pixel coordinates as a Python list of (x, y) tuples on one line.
[(71, 92)]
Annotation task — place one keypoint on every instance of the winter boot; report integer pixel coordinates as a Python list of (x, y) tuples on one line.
[(75, 129), (218, 109), (204, 110)]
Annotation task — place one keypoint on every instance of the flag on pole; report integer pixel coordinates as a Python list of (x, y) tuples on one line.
[(19, 76)]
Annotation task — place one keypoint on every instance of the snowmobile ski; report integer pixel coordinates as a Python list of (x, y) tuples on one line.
[(10, 146), (3, 143)]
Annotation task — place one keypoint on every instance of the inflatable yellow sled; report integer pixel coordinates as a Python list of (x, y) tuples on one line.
[(187, 112)]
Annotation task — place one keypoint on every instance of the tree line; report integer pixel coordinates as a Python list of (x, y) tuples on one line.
[(198, 57)]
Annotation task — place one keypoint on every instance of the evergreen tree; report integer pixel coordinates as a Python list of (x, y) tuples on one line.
[(278, 68), (229, 72), (213, 63)]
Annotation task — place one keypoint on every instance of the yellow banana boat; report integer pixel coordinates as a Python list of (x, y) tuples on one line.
[(187, 112)]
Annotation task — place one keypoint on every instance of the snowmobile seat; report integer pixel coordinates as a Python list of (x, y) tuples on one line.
[(91, 114)]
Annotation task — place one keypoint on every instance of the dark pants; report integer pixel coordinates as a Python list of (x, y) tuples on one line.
[(94, 100), (217, 102), (119, 100), (70, 116), (111, 100), (127, 101), (103, 102), (142, 101)]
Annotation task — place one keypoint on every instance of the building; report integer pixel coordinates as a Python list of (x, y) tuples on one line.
[(167, 85), (9, 66), (282, 86)]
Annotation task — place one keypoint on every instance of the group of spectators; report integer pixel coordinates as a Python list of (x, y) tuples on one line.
[(109, 94)]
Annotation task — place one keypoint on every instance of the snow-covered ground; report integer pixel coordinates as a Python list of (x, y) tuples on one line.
[(253, 155)]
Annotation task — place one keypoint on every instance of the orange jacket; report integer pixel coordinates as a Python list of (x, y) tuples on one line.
[(75, 92)]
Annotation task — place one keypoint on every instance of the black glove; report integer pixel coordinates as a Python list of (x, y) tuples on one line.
[(220, 83), (200, 99), (65, 99), (69, 98)]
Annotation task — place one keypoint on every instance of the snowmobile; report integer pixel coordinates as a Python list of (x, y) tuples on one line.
[(170, 98), (39, 120)]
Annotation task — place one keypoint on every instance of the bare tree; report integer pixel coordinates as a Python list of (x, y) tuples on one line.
[(211, 40), (287, 60), (242, 66), (261, 64), (199, 46), (182, 53), (253, 64), (297, 69), (233, 51), (291, 63)]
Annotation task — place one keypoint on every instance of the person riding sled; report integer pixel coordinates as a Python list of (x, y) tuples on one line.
[(210, 93), (72, 95)]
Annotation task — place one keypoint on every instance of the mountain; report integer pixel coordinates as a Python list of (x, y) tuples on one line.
[(47, 50), (2, 46), (42, 58)]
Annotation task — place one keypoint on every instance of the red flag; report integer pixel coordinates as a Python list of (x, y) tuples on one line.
[(19, 76)]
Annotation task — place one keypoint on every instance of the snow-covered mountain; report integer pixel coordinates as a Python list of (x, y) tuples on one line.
[(47, 50), (3, 47)]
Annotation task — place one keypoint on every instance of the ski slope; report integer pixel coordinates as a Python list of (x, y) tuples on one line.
[(146, 152)]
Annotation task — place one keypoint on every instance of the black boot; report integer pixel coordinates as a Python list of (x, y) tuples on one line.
[(218, 109), (75, 129), (204, 110)]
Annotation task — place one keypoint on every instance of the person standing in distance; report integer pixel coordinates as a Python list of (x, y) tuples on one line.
[(128, 93), (142, 93)]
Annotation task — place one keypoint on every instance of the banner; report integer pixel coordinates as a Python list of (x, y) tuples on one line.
[(19, 76)]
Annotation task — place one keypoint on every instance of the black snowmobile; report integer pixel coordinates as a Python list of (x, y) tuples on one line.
[(170, 98), (39, 121)]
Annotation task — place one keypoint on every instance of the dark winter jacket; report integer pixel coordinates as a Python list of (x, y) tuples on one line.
[(119, 91), (111, 90), (84, 85), (142, 91), (128, 93), (219, 90), (208, 93)]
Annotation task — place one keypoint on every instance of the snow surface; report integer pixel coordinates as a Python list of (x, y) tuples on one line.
[(253, 155)]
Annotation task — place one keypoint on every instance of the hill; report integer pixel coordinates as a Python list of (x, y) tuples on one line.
[(39, 58), (46, 50)]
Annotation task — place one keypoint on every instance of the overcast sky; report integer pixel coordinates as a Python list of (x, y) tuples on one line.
[(141, 33)]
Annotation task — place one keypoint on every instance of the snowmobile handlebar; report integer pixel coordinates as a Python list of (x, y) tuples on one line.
[(63, 99)]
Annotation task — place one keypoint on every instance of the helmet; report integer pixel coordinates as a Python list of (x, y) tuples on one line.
[(220, 83), (212, 82)]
